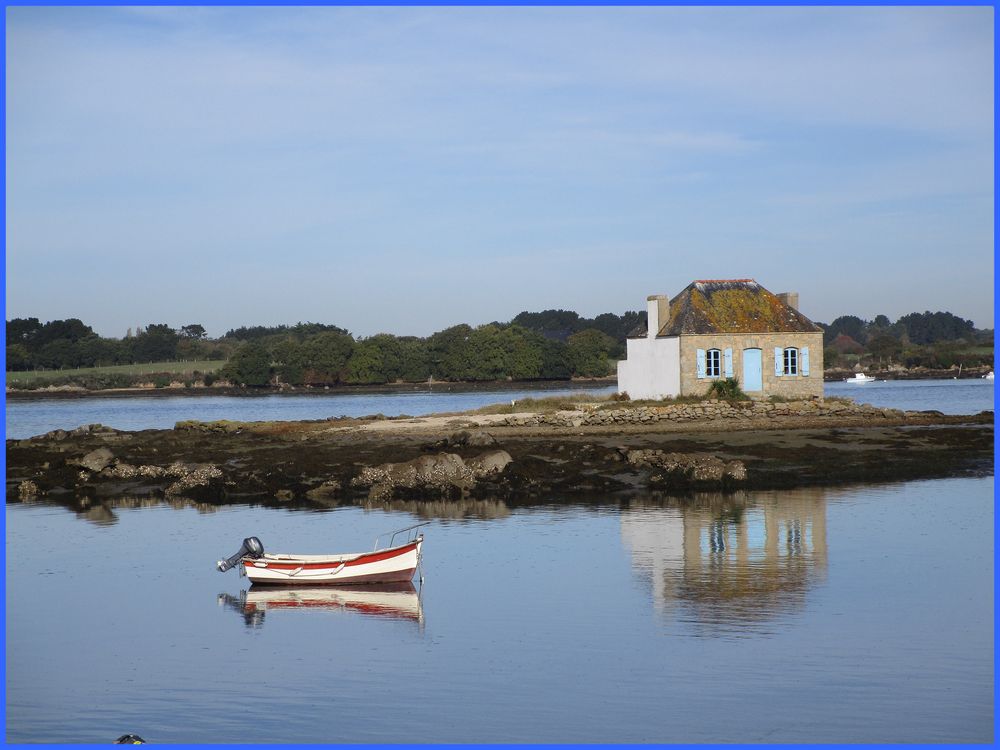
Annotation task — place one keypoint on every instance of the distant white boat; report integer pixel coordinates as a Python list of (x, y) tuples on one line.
[(860, 378), (988, 376)]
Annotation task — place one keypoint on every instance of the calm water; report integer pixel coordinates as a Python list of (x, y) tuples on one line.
[(27, 418), (850, 615), (969, 396)]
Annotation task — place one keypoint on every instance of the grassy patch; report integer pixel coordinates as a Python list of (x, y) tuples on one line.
[(537, 405), (41, 377), (573, 403)]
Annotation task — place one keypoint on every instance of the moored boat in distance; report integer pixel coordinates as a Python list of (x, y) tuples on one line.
[(391, 564), (860, 377), (988, 376)]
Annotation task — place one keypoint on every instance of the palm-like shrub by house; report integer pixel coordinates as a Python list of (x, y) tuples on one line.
[(727, 389)]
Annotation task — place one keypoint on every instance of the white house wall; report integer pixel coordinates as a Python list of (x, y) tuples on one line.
[(652, 368)]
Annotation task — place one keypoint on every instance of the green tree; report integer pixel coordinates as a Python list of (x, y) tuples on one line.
[(193, 331), (290, 361), (884, 345), (23, 331), (485, 355), (448, 351), (326, 356), (56, 355), (250, 365), (589, 352), (929, 328), (157, 343), (523, 353), (18, 357), (367, 364), (849, 325), (556, 363), (416, 360)]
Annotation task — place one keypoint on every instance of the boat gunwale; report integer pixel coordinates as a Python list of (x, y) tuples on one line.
[(281, 561)]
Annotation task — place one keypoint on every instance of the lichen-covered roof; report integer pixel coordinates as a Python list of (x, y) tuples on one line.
[(731, 306)]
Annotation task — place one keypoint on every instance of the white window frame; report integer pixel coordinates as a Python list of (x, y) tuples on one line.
[(791, 361), (713, 363)]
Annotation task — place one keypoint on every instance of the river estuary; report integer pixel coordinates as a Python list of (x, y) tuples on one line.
[(855, 614)]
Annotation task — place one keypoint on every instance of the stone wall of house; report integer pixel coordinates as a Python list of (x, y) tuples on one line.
[(788, 386), (588, 416)]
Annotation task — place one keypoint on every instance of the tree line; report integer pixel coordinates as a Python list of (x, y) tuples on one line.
[(546, 345), (70, 344), (937, 340)]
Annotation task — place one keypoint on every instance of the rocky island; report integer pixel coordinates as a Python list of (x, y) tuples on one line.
[(591, 450)]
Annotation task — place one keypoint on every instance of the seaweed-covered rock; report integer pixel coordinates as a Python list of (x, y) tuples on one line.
[(441, 474), (96, 460), (687, 468), (203, 478)]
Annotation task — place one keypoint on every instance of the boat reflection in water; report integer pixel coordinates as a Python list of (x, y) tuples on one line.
[(733, 560), (397, 601)]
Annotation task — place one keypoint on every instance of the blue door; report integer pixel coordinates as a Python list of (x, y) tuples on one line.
[(753, 371)]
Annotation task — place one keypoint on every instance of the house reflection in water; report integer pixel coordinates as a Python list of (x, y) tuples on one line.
[(734, 559)]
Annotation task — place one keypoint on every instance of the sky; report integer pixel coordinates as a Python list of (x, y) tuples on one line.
[(402, 170)]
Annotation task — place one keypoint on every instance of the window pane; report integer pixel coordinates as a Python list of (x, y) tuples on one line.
[(791, 361), (713, 363)]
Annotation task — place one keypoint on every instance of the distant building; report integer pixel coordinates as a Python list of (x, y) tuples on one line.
[(724, 328)]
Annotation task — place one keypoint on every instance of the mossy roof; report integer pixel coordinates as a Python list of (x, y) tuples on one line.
[(732, 306)]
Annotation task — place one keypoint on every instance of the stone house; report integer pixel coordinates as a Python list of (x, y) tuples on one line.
[(723, 328)]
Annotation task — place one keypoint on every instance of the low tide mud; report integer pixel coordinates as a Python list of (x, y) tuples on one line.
[(456, 457)]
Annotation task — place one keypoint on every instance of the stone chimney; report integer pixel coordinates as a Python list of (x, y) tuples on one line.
[(657, 312), (789, 298)]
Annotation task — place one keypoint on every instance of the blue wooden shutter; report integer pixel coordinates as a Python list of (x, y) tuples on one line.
[(700, 357), (779, 361), (804, 360), (729, 363)]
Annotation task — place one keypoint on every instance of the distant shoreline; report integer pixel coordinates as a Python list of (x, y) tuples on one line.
[(437, 386)]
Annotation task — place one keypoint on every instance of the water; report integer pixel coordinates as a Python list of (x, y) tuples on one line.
[(27, 418), (969, 396), (850, 615)]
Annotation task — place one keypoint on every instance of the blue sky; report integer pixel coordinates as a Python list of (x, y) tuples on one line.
[(404, 169)]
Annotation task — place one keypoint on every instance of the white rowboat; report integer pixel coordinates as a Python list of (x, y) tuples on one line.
[(392, 564)]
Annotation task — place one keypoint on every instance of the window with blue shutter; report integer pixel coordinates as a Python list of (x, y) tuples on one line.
[(791, 355), (700, 362), (779, 361), (713, 363), (729, 363), (804, 361)]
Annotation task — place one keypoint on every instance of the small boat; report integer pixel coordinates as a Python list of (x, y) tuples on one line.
[(860, 377), (988, 376), (390, 564)]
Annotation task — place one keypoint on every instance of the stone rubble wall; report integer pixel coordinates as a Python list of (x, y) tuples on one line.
[(697, 412)]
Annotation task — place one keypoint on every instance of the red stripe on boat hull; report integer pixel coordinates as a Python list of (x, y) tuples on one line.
[(397, 576)]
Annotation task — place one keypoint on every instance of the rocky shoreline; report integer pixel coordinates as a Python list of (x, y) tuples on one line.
[(574, 455)]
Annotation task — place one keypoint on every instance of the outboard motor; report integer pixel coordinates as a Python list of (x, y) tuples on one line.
[(130, 739), (251, 548)]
